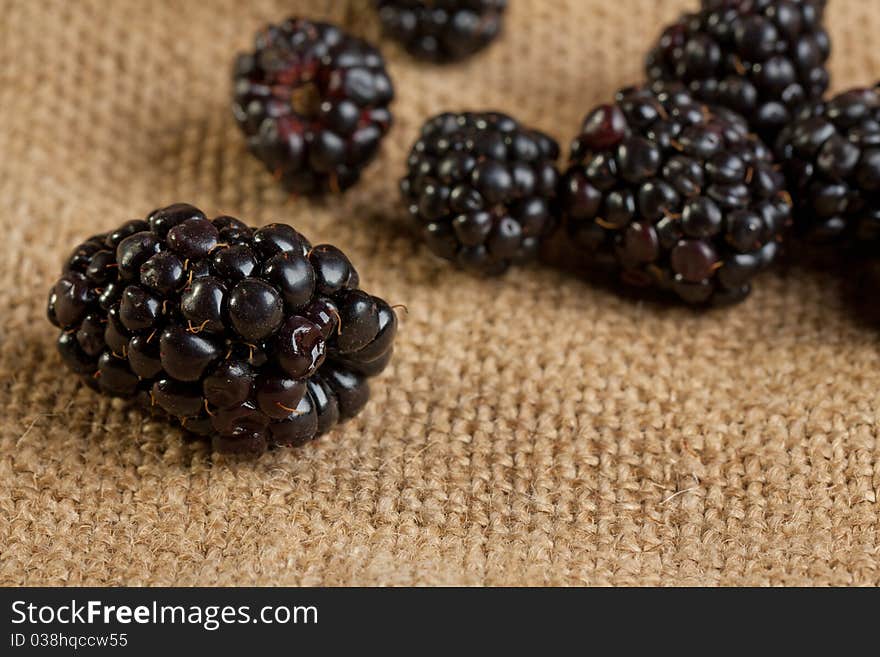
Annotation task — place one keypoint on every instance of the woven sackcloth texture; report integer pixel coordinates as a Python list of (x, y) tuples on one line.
[(533, 429)]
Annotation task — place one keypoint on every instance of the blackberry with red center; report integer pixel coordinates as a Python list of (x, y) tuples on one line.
[(482, 189), (442, 30), (248, 335), (674, 194), (761, 58), (831, 156), (313, 104)]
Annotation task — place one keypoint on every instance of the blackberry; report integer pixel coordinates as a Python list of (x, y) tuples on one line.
[(313, 104), (674, 194), (760, 58), (482, 189), (248, 335), (442, 30), (831, 157)]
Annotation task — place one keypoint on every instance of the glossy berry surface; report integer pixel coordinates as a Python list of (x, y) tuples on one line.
[(482, 189), (831, 156), (250, 336), (761, 58), (442, 30), (674, 194), (313, 104)]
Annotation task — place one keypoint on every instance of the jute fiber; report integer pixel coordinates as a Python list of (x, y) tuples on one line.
[(533, 429)]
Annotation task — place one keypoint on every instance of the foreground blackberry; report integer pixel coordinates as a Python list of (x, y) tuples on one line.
[(251, 336), (482, 189), (674, 194), (760, 58), (313, 103), (831, 156), (442, 30)]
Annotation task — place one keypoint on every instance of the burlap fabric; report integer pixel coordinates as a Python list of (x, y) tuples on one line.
[(531, 430)]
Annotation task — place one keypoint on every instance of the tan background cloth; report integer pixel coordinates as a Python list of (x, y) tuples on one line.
[(531, 430)]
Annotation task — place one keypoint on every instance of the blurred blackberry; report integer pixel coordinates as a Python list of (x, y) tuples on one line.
[(482, 189), (674, 194), (251, 336), (831, 156), (313, 103), (442, 30), (760, 58)]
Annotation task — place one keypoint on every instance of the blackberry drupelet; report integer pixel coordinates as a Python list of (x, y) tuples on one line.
[(482, 189), (442, 30), (313, 103), (248, 335), (674, 194), (831, 157), (760, 58)]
